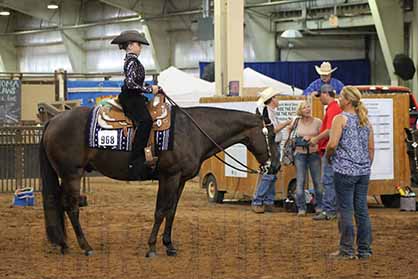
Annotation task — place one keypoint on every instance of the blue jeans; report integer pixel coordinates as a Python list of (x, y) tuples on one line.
[(328, 199), (302, 162), (352, 196), (266, 189)]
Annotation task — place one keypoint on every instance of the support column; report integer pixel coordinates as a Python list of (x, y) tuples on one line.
[(8, 56), (60, 85), (261, 37), (388, 20), (229, 45), (414, 47)]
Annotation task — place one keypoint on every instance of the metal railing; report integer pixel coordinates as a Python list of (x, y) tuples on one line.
[(19, 158)]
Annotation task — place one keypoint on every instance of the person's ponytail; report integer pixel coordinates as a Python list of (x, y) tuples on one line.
[(353, 95), (362, 114)]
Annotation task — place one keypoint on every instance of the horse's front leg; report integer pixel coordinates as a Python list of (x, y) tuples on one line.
[(166, 199), (171, 251)]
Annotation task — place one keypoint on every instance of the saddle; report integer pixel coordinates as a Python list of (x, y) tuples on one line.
[(111, 116)]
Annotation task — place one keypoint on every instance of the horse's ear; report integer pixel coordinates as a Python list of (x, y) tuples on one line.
[(266, 116), (257, 112), (408, 132), (265, 112)]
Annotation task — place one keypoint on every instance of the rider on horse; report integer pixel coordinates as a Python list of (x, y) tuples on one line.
[(132, 96)]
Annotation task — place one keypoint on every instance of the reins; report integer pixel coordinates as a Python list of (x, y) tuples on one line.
[(248, 169)]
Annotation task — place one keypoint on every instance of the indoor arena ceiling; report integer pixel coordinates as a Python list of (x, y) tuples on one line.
[(41, 15)]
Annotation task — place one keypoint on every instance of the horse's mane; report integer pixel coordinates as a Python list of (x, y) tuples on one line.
[(248, 118)]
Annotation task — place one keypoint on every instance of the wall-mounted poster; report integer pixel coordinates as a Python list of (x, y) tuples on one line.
[(10, 99), (380, 112), (239, 152), (286, 110)]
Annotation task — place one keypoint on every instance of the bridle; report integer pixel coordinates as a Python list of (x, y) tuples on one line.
[(414, 144), (264, 169)]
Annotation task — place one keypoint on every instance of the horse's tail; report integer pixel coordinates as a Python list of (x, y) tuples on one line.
[(51, 195)]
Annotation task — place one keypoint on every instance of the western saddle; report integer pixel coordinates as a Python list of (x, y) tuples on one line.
[(111, 116)]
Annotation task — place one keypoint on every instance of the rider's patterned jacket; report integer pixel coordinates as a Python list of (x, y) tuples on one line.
[(135, 74)]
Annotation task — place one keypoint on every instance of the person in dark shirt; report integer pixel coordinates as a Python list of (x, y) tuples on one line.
[(209, 72), (132, 96)]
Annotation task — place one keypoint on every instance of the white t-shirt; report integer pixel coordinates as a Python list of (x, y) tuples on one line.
[(275, 120)]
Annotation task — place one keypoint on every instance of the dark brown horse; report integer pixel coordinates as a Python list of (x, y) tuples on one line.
[(64, 154), (412, 150)]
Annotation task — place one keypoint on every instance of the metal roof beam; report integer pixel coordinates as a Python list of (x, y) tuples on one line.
[(8, 55), (317, 24), (261, 35), (388, 20), (67, 13), (156, 32), (73, 42)]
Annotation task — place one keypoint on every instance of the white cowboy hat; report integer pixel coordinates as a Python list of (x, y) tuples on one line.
[(266, 94), (325, 69)]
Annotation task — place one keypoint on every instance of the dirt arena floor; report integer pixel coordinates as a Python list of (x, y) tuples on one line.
[(213, 240)]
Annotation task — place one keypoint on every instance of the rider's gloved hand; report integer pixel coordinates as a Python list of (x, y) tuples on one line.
[(155, 89), (160, 89)]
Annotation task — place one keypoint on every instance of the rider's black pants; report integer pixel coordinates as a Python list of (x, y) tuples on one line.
[(134, 105)]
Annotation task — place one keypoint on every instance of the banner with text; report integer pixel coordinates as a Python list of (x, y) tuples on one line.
[(10, 99), (381, 118)]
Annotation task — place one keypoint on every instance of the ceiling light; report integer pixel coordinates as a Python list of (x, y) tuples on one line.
[(4, 13), (291, 34), (52, 5)]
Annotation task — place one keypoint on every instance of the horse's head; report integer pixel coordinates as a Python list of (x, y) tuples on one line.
[(412, 150), (262, 144)]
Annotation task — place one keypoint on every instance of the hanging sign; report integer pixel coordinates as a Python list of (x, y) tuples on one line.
[(10, 91)]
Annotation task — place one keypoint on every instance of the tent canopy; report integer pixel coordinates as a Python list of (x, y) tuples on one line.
[(183, 88), (186, 90), (255, 79)]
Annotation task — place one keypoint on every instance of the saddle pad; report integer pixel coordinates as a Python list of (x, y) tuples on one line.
[(115, 139)]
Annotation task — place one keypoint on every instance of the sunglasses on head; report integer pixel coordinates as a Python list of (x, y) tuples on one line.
[(319, 93)]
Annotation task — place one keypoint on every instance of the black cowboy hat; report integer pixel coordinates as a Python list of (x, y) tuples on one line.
[(404, 66), (130, 36)]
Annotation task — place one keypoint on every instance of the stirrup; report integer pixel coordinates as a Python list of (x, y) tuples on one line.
[(150, 160)]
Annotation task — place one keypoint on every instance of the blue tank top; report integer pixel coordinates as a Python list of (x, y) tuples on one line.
[(351, 156)]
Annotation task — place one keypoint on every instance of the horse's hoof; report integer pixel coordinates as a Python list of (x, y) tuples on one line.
[(64, 250), (171, 252), (151, 254), (88, 252)]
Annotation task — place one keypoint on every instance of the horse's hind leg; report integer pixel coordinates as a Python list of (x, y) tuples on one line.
[(169, 219), (71, 187), (166, 197)]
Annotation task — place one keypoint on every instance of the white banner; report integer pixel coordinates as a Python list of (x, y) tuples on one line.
[(381, 118), (285, 111), (239, 152)]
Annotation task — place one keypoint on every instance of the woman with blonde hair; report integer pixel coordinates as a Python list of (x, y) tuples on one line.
[(307, 156), (351, 151)]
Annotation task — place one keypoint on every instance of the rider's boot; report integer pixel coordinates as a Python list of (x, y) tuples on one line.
[(150, 158)]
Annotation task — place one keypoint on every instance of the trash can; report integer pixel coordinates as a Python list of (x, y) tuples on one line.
[(24, 197), (408, 204)]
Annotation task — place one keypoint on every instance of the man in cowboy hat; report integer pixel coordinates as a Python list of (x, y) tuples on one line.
[(264, 195), (132, 96), (324, 71)]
